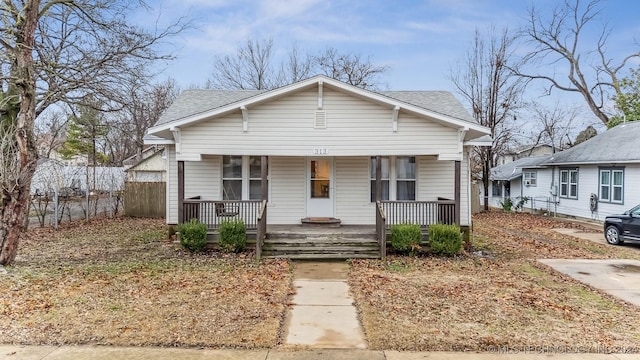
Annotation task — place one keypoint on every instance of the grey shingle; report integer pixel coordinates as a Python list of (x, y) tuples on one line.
[(619, 144), (513, 169), (193, 102)]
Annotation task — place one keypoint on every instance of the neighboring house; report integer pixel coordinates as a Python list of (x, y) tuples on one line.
[(593, 179), (310, 149), (605, 168), (53, 175), (152, 168), (523, 152), (518, 179)]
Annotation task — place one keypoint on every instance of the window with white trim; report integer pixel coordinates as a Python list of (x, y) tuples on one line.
[(384, 178), (406, 178), (611, 184), (241, 177), (530, 177), (398, 178), (569, 183)]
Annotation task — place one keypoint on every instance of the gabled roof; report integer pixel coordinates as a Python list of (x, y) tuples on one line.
[(620, 144), (196, 105), (513, 170)]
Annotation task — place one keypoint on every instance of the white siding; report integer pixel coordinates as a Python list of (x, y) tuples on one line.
[(287, 196), (435, 179), (203, 178), (285, 127), (172, 185), (539, 195), (352, 189), (588, 184)]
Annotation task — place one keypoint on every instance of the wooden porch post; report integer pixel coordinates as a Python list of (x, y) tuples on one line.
[(264, 175), (378, 178), (180, 192), (457, 192)]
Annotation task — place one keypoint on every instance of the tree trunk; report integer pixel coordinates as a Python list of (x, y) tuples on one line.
[(15, 193), (13, 214)]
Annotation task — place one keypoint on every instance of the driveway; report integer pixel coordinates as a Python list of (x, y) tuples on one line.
[(617, 277)]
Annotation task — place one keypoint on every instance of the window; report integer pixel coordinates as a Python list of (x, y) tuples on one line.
[(406, 178), (496, 188), (384, 178), (530, 178), (232, 177), (611, 184), (241, 177), (569, 183), (398, 178)]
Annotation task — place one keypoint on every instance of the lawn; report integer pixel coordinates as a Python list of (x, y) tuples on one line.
[(120, 282), (497, 295)]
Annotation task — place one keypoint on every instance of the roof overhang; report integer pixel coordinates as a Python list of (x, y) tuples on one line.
[(163, 130), (599, 162)]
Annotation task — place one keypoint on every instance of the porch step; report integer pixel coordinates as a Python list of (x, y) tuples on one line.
[(321, 248), (325, 222)]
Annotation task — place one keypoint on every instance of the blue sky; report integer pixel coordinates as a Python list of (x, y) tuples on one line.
[(420, 41)]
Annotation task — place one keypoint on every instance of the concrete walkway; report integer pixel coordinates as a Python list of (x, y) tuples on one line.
[(322, 314)]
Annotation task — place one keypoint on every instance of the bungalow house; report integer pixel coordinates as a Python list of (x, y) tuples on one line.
[(600, 176), (518, 179), (593, 179), (317, 151)]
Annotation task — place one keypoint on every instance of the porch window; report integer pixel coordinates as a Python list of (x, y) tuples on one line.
[(241, 177), (384, 178), (611, 184), (398, 178), (406, 178), (569, 183), (255, 177), (231, 177)]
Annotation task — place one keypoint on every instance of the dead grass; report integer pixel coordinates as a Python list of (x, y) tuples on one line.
[(121, 283), (505, 299)]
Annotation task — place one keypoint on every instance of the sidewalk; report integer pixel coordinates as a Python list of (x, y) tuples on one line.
[(17, 352)]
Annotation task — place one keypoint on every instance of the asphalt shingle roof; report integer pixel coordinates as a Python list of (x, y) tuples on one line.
[(619, 144), (513, 169), (193, 102)]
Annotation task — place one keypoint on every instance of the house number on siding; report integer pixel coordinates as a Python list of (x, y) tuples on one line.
[(320, 151)]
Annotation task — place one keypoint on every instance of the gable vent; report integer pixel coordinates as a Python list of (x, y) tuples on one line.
[(320, 120)]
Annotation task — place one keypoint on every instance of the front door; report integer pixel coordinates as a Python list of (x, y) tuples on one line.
[(320, 187)]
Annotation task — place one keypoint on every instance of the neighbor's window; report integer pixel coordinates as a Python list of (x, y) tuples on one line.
[(406, 178), (611, 184), (530, 177), (569, 183), (496, 188), (384, 178)]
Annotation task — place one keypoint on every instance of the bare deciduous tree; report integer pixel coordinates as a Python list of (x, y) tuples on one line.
[(254, 67), (59, 51), (552, 126), (488, 85), (560, 39)]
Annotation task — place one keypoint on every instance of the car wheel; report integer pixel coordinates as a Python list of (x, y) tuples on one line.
[(612, 234)]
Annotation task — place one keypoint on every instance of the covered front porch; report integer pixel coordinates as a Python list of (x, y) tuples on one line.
[(359, 202)]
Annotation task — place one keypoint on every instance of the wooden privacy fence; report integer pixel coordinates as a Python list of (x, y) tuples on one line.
[(145, 199)]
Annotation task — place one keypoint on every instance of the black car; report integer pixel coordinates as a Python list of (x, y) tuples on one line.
[(624, 227)]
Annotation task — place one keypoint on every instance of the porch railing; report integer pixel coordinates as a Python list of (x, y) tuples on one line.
[(423, 213), (381, 230), (214, 212), (262, 228)]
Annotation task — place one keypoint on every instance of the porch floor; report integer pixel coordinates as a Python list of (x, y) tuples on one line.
[(319, 230)]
